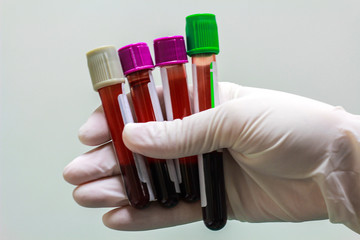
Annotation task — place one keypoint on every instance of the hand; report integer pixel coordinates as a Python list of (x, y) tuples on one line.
[(286, 158)]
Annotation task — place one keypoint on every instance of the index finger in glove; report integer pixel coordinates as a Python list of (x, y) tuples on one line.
[(95, 164), (95, 130), (130, 219)]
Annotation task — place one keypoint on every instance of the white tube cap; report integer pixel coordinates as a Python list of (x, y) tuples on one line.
[(104, 66)]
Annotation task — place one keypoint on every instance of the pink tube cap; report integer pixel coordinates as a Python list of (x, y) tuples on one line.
[(170, 50), (135, 57)]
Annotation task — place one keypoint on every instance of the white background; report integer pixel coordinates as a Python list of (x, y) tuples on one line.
[(306, 47)]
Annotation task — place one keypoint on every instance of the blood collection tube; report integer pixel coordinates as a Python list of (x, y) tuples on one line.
[(108, 79), (202, 46), (137, 64), (170, 56)]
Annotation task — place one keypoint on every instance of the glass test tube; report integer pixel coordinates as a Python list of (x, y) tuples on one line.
[(202, 45), (170, 56), (137, 65), (108, 80)]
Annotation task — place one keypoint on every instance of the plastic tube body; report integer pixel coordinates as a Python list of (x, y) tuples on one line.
[(137, 191), (211, 171), (177, 106), (143, 105)]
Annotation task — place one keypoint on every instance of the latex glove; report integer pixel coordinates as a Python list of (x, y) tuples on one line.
[(286, 158)]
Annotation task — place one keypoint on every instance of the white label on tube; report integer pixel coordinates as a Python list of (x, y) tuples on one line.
[(166, 92), (125, 109), (200, 157), (138, 159), (195, 89), (155, 99), (159, 117), (169, 110), (215, 84), (216, 87), (172, 173), (202, 181), (142, 170), (177, 166)]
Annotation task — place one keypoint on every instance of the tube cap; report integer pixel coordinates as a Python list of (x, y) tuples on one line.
[(170, 50), (135, 57), (201, 34), (104, 67)]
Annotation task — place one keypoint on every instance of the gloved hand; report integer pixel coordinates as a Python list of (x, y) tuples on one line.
[(286, 158)]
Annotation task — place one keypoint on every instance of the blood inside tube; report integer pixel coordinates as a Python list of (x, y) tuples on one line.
[(203, 75), (180, 104), (139, 90), (136, 190), (179, 93), (214, 213)]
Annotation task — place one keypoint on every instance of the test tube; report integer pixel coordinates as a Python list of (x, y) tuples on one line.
[(137, 64), (170, 56), (108, 79), (202, 46)]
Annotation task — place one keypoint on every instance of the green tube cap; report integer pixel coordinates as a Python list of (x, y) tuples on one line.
[(201, 34)]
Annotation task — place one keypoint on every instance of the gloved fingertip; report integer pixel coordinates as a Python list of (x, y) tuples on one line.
[(68, 174), (114, 220), (95, 130), (128, 129), (82, 133), (168, 139), (151, 139), (83, 196), (105, 220), (133, 134), (93, 134)]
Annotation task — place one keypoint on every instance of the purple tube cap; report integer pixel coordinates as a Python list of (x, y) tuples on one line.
[(135, 57), (170, 50)]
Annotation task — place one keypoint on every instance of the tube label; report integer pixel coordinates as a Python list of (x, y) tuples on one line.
[(202, 181), (154, 99), (166, 92), (138, 159), (172, 167), (169, 111), (206, 94), (195, 89), (214, 85)]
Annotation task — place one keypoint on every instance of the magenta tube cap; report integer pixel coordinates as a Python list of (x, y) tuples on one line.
[(170, 50), (135, 57)]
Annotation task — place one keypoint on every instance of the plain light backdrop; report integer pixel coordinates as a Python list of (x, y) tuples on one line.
[(306, 47)]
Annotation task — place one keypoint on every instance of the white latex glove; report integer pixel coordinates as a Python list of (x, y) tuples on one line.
[(286, 158)]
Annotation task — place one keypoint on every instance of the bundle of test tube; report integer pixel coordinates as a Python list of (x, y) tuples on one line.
[(164, 180)]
